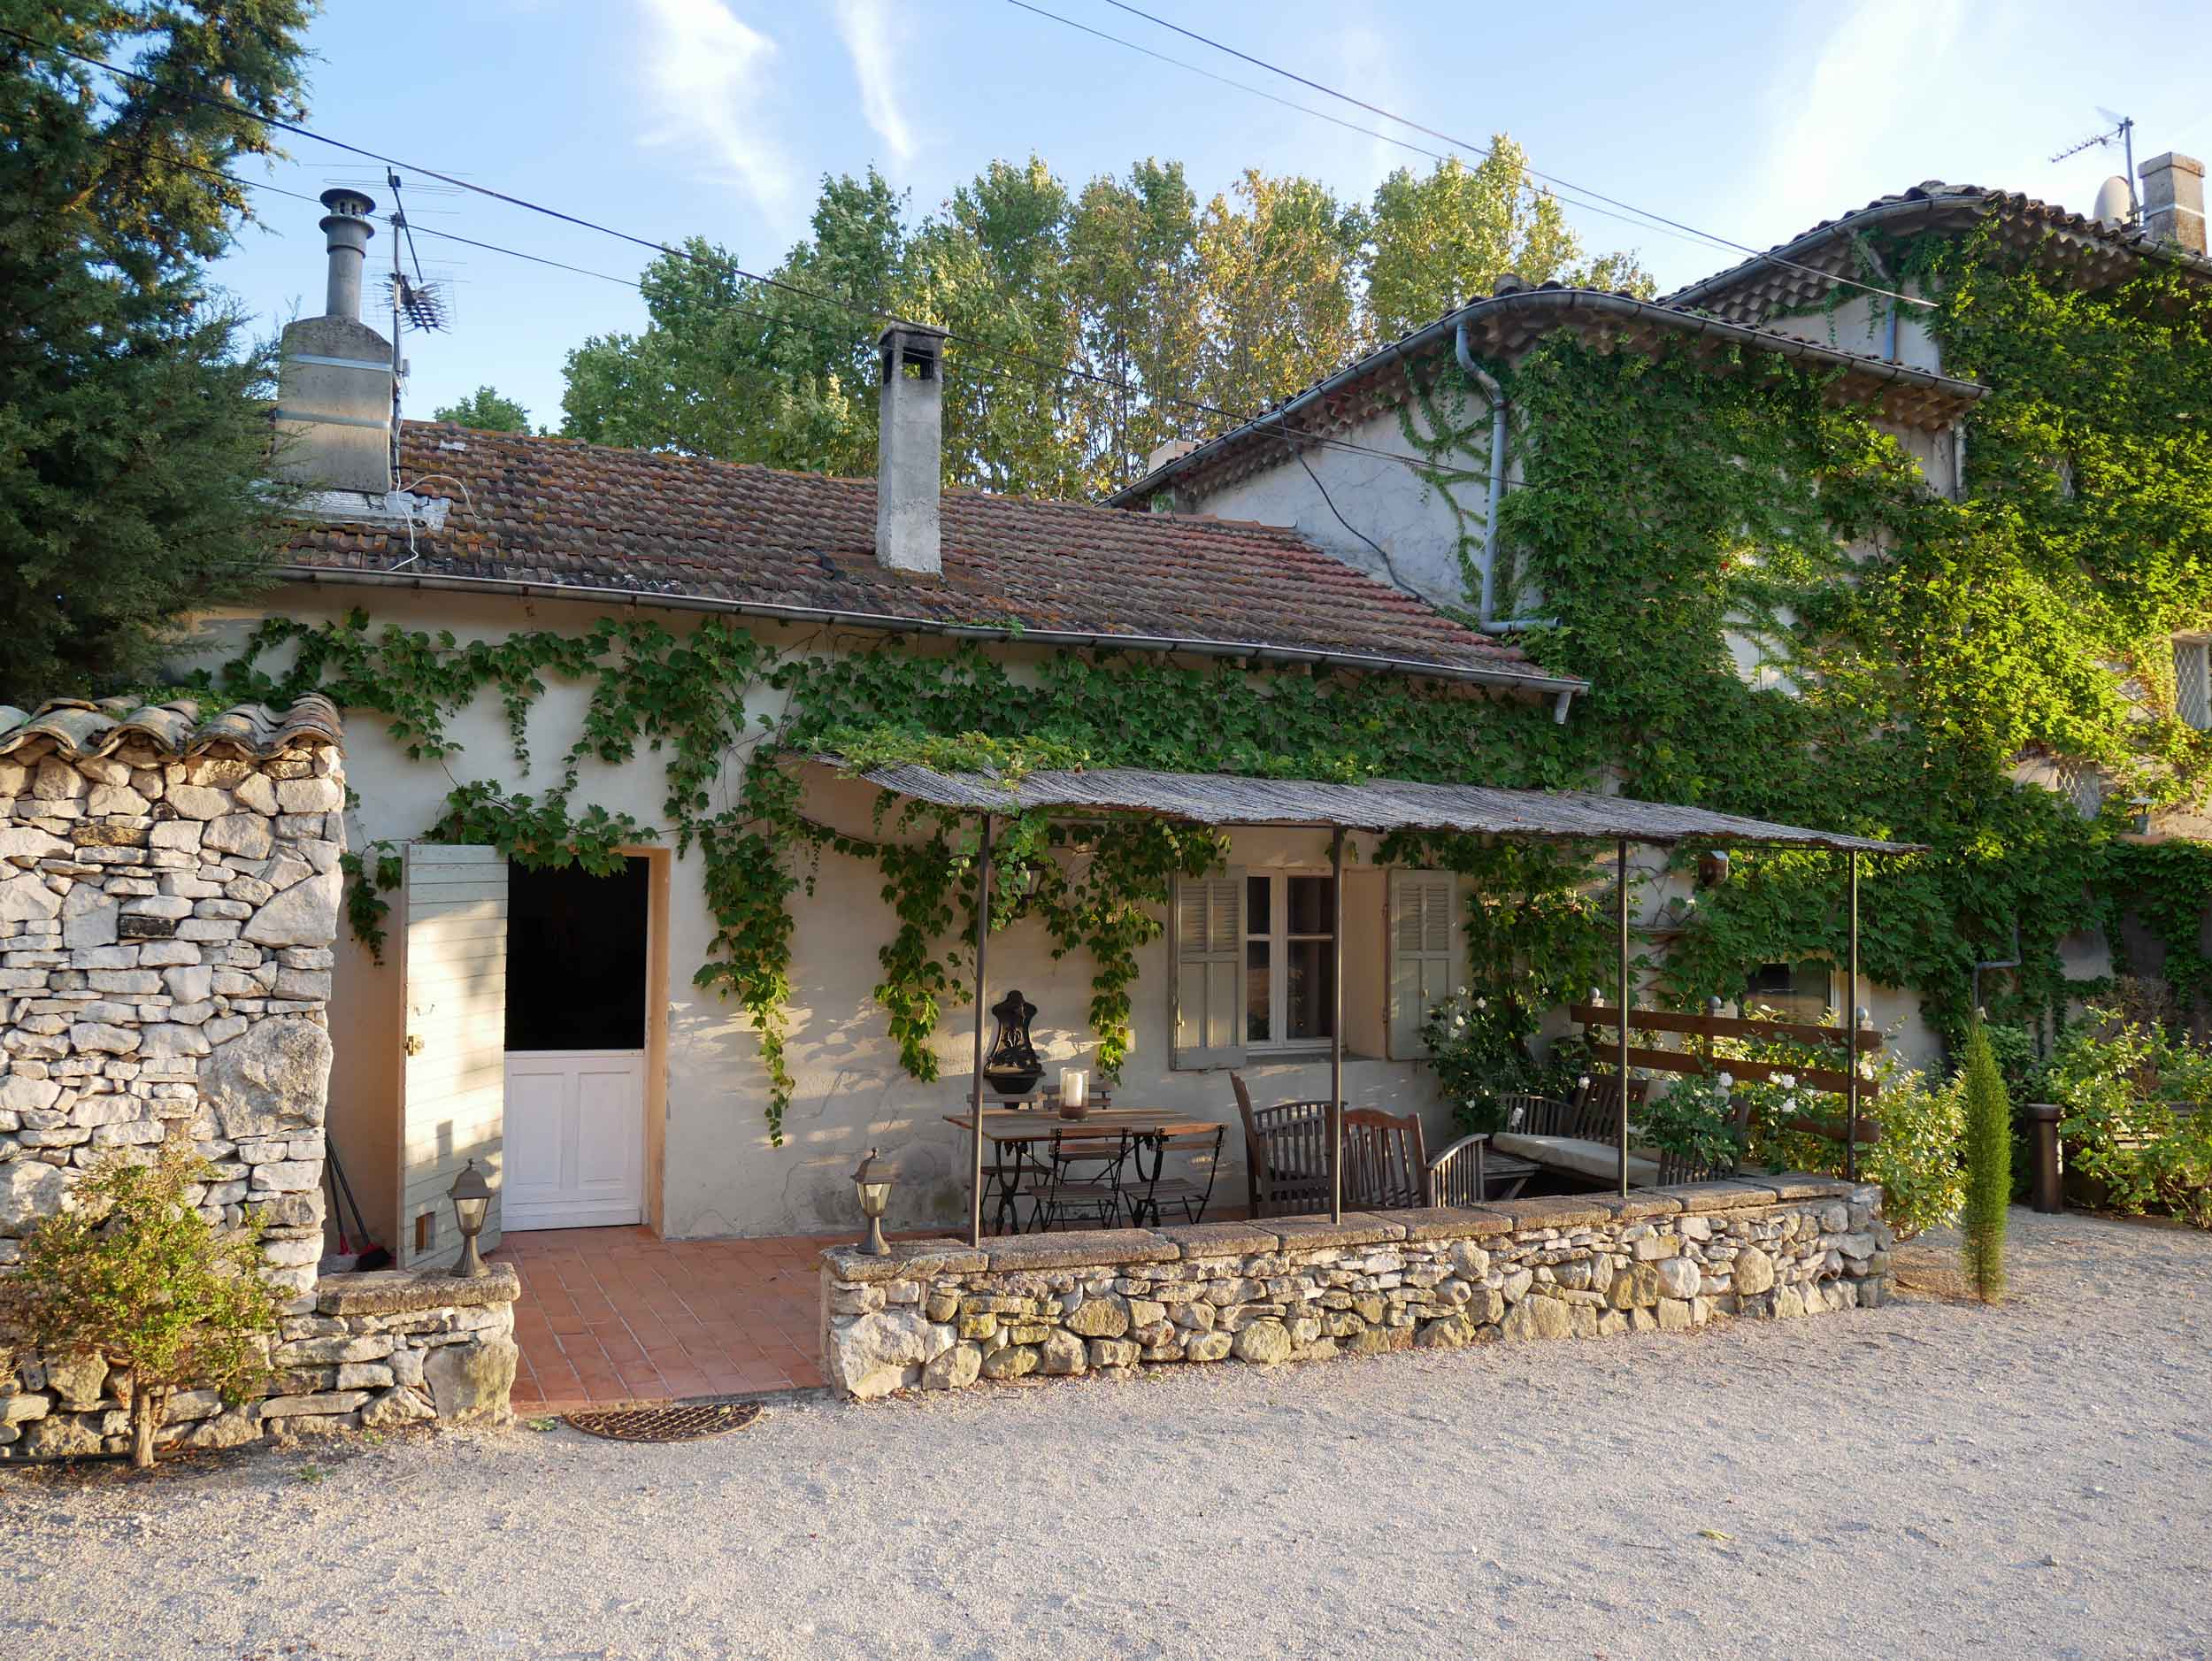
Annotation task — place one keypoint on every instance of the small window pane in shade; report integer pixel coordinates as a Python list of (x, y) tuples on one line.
[(2193, 685), (1259, 992), (576, 960), (1312, 973), (1257, 907), (1311, 911), (1794, 991)]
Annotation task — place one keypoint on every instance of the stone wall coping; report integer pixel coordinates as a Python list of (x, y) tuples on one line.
[(1095, 1248), (1220, 1240), (399, 1291), (1559, 1210)]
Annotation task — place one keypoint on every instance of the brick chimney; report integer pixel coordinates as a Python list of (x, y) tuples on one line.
[(334, 409), (910, 445), (2173, 200)]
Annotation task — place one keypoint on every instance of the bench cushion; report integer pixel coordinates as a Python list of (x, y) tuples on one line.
[(1598, 1159)]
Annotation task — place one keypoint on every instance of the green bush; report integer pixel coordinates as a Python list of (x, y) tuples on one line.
[(1988, 1168), (1694, 1120), (2132, 1120), (1916, 1159), (131, 1271)]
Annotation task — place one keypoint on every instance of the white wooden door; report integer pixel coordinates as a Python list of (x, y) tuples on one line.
[(575, 1138), (453, 1079)]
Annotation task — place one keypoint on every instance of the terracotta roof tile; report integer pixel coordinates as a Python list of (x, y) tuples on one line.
[(559, 510)]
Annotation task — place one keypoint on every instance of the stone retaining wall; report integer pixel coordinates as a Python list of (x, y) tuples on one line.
[(376, 1350), (940, 1315), (167, 910)]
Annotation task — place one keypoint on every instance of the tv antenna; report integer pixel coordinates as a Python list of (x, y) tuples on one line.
[(2122, 132), (419, 301)]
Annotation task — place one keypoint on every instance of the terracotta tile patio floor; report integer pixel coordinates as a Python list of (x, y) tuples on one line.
[(619, 1315)]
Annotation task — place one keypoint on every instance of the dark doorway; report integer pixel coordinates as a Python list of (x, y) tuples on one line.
[(576, 959)]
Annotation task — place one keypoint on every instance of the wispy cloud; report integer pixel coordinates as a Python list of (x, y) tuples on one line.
[(706, 69), (1838, 122), (872, 37), (1364, 58)]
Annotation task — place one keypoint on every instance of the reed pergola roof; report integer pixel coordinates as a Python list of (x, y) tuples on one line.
[(1373, 804)]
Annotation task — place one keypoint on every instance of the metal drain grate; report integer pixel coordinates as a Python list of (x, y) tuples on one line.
[(674, 1421)]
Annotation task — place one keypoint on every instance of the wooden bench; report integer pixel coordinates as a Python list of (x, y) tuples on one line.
[(1580, 1138)]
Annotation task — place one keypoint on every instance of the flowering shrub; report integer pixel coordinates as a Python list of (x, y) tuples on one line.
[(2137, 1115), (1696, 1121), (1479, 1047)]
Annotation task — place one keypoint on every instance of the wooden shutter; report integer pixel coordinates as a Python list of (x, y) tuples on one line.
[(453, 1071), (1421, 967), (1208, 985)]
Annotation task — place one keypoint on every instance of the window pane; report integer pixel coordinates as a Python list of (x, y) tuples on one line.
[(1312, 971), (1259, 991), (1257, 908), (1311, 912), (1794, 991)]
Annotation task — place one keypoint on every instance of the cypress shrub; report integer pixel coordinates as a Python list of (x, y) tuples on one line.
[(1988, 1168)]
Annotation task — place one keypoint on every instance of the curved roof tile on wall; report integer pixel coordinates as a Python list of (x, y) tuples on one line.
[(78, 728), (556, 510)]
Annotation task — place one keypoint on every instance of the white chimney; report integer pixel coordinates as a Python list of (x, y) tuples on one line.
[(334, 387), (909, 446), (2173, 200)]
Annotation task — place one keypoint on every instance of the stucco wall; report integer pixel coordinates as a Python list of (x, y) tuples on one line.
[(719, 1175), (1382, 500)]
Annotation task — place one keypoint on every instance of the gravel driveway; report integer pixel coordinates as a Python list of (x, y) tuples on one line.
[(1928, 1479)]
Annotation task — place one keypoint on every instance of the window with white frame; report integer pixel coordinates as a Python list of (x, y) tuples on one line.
[(1289, 963), (2193, 683)]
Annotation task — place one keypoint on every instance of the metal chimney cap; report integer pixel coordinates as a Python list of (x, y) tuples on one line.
[(348, 203)]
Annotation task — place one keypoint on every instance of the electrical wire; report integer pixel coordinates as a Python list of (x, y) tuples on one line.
[(1633, 219), (1484, 149)]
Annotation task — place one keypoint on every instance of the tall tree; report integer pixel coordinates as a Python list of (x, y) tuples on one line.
[(1133, 254), (133, 436), (748, 371), (487, 410), (1279, 266), (1444, 239)]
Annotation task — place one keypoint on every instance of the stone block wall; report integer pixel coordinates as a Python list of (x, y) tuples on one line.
[(372, 1351), (940, 1315), (169, 896)]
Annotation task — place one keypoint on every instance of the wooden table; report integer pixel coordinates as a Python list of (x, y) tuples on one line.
[(1018, 1133)]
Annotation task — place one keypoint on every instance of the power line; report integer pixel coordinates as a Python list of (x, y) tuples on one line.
[(1485, 149), (1631, 218), (1004, 353)]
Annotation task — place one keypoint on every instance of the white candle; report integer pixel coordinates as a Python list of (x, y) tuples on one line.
[(1074, 1087)]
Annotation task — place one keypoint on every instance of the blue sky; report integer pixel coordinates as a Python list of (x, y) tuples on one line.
[(667, 118)]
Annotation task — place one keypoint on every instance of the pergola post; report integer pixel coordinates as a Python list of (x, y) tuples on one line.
[(1620, 1048), (1851, 1038), (1336, 1025), (975, 1089)]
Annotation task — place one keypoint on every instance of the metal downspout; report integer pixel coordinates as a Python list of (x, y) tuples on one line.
[(1495, 393)]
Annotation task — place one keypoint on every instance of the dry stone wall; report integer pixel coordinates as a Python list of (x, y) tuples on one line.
[(940, 1315), (166, 924), (169, 902)]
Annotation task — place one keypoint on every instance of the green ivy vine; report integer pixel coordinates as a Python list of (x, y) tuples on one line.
[(1778, 616)]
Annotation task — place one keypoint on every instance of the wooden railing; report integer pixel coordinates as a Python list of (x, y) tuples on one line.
[(1701, 1061)]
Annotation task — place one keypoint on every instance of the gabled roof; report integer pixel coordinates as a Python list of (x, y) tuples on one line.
[(1506, 325), (2096, 252), (78, 728), (559, 517)]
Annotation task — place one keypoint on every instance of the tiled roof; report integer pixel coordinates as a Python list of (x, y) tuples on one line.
[(559, 512), (77, 729), (1504, 326), (1757, 288)]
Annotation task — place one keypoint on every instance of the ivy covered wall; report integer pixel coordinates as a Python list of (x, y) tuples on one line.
[(1914, 653)]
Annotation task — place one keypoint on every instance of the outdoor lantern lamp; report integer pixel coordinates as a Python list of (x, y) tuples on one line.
[(472, 1198), (872, 1183)]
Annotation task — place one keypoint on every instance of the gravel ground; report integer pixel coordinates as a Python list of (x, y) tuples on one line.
[(1929, 1479)]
